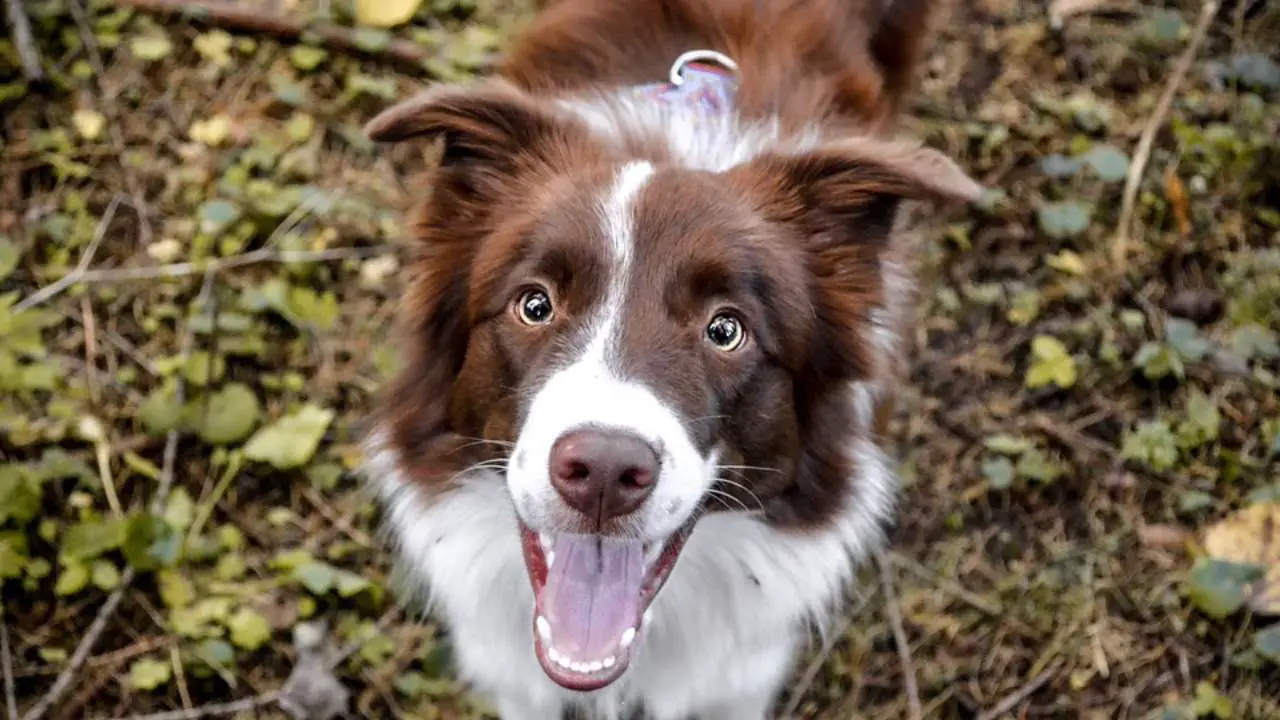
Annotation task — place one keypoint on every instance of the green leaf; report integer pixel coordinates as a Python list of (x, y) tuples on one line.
[(249, 630), (999, 472), (1007, 444), (179, 510), (19, 494), (151, 543), (1108, 162), (317, 577), (1040, 467), (1152, 443), (1183, 337), (161, 412), (10, 254), (73, 578), (150, 48), (1201, 423), (217, 215), (371, 40), (1051, 364), (1267, 642), (104, 575), (1064, 220), (13, 555), (291, 441), (1217, 587), (307, 57), (1255, 341), (1158, 360), (91, 538), (175, 590), (148, 674), (230, 415)]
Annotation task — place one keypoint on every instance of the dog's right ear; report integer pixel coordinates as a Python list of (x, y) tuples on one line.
[(490, 124)]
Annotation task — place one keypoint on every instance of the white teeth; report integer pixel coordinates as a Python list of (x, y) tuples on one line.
[(553, 656), (544, 628), (545, 539), (608, 662), (584, 667), (595, 667), (564, 662), (551, 558), (628, 637)]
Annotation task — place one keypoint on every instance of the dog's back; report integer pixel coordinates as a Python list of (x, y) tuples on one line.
[(804, 60)]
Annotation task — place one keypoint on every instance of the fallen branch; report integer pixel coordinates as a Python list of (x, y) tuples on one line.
[(915, 711), (184, 269), (1141, 156), (207, 711), (6, 668), (24, 41), (1011, 701), (241, 16)]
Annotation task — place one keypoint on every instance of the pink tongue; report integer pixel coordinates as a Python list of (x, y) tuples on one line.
[(592, 594)]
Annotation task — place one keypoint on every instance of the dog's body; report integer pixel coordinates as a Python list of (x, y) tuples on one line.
[(639, 331)]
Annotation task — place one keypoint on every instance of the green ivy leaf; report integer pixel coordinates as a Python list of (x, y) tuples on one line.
[(1152, 443), (1183, 336), (1064, 220), (1051, 364), (13, 555), (230, 416), (1108, 162), (1217, 587), (91, 538), (151, 543), (249, 630), (999, 472), (1267, 642), (148, 674), (73, 578), (291, 441), (1201, 423)]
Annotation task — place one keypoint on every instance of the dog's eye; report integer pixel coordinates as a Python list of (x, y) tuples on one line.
[(726, 332), (534, 307)]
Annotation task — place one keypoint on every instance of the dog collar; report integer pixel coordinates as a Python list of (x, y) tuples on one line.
[(703, 80)]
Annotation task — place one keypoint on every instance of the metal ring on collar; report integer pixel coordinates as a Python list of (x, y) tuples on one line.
[(677, 68)]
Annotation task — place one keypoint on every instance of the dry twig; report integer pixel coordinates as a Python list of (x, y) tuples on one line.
[(207, 711), (241, 16), (24, 41), (899, 637), (1141, 156), (6, 668), (86, 258), (184, 269), (805, 681), (1011, 701)]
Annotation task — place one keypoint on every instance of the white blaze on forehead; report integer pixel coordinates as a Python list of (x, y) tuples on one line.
[(591, 391), (618, 215)]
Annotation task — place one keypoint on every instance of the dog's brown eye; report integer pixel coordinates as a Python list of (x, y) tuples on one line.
[(535, 308), (726, 332)]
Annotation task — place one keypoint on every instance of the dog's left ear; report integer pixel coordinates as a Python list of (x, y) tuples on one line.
[(840, 204), (849, 192), (490, 124)]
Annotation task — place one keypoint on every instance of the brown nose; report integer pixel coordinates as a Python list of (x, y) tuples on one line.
[(603, 474)]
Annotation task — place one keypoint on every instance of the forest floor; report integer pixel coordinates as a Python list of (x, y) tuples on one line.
[(199, 258)]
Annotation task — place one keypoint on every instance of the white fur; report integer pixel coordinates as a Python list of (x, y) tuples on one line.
[(698, 141), (726, 629)]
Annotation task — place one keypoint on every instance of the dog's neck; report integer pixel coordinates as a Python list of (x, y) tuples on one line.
[(691, 115)]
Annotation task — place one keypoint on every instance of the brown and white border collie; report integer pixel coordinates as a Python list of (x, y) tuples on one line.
[(656, 313)]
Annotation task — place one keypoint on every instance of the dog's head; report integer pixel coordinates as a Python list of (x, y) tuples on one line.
[(632, 343)]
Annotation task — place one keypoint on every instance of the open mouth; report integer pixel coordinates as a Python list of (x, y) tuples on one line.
[(592, 593)]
